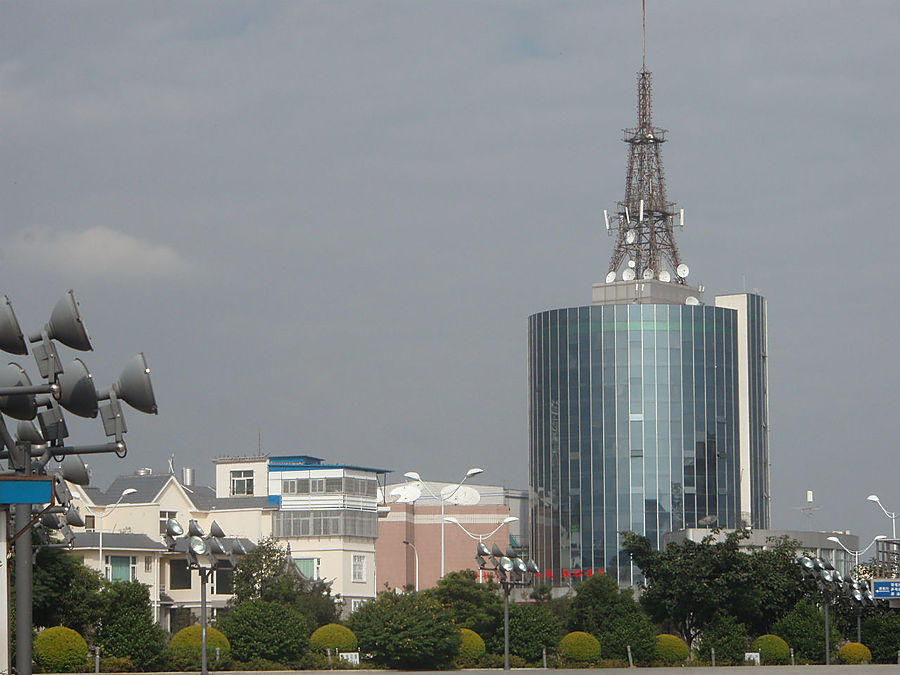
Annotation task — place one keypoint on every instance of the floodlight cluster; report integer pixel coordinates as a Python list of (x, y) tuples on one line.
[(834, 585)]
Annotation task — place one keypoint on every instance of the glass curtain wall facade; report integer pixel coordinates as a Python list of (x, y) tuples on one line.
[(632, 426)]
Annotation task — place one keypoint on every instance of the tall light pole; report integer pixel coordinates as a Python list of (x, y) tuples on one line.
[(892, 516), (481, 537), (412, 475), (416, 553), (856, 554), (125, 493)]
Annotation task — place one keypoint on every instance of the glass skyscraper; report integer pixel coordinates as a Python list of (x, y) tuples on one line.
[(635, 424)]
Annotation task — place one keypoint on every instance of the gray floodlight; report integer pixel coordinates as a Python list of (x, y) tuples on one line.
[(198, 547), (174, 528), (73, 517), (77, 393), (28, 433), (532, 566), (857, 595), (506, 564), (61, 490), (66, 325), (511, 552), (20, 407), (134, 387), (74, 470), (520, 565), (112, 418), (495, 551), (11, 338), (216, 531), (194, 529), (482, 549), (807, 566), (51, 521)]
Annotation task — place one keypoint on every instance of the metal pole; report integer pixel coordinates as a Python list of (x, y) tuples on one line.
[(859, 625), (24, 577), (203, 667), (4, 595), (827, 632), (100, 547), (442, 537), (506, 589)]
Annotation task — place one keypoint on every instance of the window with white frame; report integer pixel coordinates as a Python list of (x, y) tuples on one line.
[(89, 523), (241, 483), (309, 567), (317, 485), (359, 567), (356, 603), (148, 563), (121, 567)]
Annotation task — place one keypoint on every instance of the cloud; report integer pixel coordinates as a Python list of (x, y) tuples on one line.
[(97, 252)]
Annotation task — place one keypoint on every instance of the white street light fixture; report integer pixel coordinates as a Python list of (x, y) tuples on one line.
[(856, 554), (416, 553), (442, 498), (892, 516), (125, 493)]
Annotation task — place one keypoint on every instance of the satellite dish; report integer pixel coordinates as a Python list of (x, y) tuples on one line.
[(648, 273), (628, 275), (665, 276), (611, 277), (463, 496), (406, 493), (20, 407), (76, 390), (11, 338), (682, 271), (631, 264), (629, 237), (691, 300)]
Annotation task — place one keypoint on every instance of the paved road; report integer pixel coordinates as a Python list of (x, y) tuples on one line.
[(699, 670)]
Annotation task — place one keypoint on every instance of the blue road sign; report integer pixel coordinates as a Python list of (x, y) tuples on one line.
[(26, 490), (886, 590)]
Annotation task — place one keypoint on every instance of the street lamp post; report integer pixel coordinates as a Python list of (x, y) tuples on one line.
[(413, 475), (125, 493), (416, 554), (892, 516), (29, 452), (511, 571)]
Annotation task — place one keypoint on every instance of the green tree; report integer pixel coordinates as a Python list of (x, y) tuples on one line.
[(268, 573), (611, 614), (532, 628), (688, 585), (803, 628), (473, 605), (728, 637), (881, 634), (257, 629), (411, 631), (128, 629)]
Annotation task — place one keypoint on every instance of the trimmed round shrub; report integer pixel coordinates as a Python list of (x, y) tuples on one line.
[(773, 651), (264, 630), (184, 649), (671, 650), (728, 637), (333, 636), (579, 646), (471, 646), (60, 650), (854, 653)]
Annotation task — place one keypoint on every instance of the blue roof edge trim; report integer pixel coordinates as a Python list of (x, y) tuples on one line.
[(309, 467), (275, 499)]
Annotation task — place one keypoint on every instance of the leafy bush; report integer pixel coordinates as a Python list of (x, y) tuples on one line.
[(406, 631), (773, 650), (333, 636), (854, 652), (579, 646), (184, 651), (634, 629), (728, 638), (264, 630), (532, 628), (60, 650), (116, 664), (671, 650), (128, 628), (471, 647), (803, 628), (881, 633)]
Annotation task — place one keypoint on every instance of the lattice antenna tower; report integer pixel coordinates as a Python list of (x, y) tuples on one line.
[(644, 221)]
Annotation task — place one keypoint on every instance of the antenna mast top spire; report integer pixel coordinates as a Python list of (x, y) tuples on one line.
[(645, 244)]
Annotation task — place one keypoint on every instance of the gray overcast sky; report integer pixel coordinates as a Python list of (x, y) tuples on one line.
[(326, 222)]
